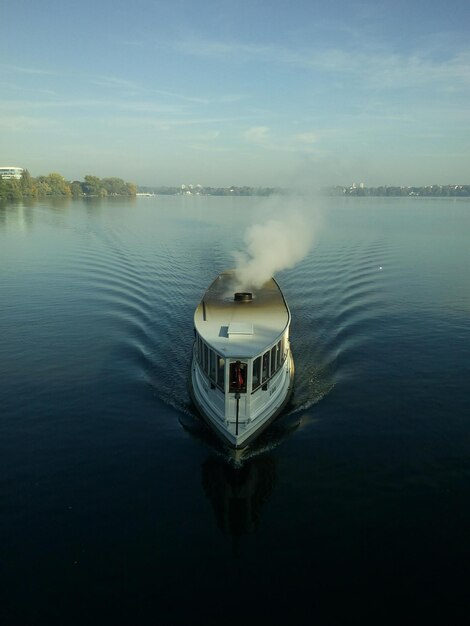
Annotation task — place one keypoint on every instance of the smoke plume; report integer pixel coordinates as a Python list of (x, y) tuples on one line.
[(271, 246)]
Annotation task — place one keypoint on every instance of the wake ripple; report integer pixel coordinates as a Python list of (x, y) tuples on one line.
[(148, 296), (336, 300)]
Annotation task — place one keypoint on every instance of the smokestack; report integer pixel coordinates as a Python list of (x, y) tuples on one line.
[(243, 296)]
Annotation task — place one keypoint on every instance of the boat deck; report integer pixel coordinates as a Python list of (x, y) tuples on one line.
[(241, 329)]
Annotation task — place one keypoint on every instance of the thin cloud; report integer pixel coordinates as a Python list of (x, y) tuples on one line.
[(22, 123), (223, 99), (209, 136), (210, 148), (266, 139), (115, 82), (393, 70), (257, 134), (373, 64), (27, 70), (212, 48), (236, 51), (306, 138), (86, 103), (9, 87), (166, 124)]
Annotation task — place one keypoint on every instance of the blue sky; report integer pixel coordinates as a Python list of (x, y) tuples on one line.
[(221, 93)]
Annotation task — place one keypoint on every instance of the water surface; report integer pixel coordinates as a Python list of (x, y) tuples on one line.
[(116, 504)]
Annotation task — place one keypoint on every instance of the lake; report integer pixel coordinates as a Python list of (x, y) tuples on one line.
[(117, 506)]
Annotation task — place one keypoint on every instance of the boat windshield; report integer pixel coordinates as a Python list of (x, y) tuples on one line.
[(238, 371)]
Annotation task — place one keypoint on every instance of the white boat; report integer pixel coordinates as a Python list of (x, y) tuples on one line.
[(242, 370)]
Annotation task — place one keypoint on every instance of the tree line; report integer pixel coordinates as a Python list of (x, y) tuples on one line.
[(54, 184), (434, 191), (211, 191)]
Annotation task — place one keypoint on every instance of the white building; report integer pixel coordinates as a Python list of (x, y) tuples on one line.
[(11, 172)]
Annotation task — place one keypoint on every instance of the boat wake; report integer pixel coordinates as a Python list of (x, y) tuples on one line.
[(146, 300)]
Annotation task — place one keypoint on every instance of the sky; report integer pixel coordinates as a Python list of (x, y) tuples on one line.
[(256, 92)]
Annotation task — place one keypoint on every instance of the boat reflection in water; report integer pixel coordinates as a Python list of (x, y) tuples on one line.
[(239, 482), (237, 494)]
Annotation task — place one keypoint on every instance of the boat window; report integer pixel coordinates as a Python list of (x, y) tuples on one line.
[(221, 372), (256, 373), (273, 360), (278, 355), (237, 377), (265, 366), (212, 371), (205, 358), (199, 349), (201, 353)]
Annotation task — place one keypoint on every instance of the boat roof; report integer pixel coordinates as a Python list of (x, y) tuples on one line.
[(239, 328)]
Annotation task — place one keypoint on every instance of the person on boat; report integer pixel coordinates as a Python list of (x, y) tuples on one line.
[(238, 382)]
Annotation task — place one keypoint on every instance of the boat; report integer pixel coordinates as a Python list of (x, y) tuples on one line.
[(242, 369)]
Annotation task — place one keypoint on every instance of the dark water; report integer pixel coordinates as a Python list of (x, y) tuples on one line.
[(115, 505)]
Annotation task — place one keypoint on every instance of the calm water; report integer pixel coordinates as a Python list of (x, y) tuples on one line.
[(115, 505)]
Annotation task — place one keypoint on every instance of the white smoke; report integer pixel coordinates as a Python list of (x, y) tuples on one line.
[(276, 244)]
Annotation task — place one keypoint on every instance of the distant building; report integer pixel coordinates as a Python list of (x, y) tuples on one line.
[(11, 172)]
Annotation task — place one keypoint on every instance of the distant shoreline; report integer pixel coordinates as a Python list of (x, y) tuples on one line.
[(338, 190), (55, 185)]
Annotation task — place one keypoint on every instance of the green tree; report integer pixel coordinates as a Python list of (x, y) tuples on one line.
[(28, 184), (131, 189), (76, 189), (42, 186), (59, 186), (92, 185), (10, 189), (114, 186)]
